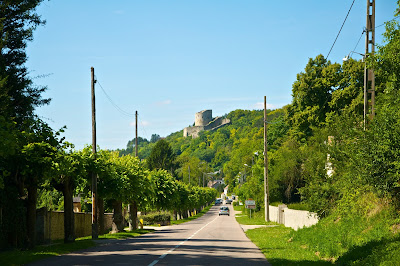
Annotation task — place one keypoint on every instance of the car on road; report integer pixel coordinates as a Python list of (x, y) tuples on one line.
[(228, 201), (218, 201), (223, 210)]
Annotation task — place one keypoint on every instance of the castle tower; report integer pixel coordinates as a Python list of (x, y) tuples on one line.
[(202, 118)]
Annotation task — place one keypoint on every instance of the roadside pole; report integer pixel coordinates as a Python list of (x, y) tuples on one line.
[(266, 188), (95, 233)]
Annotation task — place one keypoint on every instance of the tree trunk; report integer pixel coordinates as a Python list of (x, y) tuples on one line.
[(31, 216), (175, 215), (69, 219), (133, 216), (100, 215), (118, 219)]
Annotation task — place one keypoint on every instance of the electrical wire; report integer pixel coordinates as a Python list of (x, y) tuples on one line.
[(119, 109), (386, 22), (340, 29), (143, 127), (355, 47)]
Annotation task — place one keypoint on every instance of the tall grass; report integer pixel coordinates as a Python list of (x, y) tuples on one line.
[(335, 237)]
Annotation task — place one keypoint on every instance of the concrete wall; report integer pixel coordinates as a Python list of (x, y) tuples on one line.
[(50, 225), (292, 218)]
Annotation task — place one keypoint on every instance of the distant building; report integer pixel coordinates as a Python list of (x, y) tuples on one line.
[(215, 183), (204, 121)]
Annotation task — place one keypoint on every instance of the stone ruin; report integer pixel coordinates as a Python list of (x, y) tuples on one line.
[(204, 121)]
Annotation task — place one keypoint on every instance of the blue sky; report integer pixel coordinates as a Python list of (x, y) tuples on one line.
[(171, 59)]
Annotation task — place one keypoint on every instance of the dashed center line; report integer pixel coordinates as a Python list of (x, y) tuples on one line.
[(181, 243)]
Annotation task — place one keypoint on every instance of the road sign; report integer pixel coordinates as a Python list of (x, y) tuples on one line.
[(250, 202)]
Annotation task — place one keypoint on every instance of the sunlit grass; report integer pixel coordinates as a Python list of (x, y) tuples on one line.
[(204, 211), (279, 249), (257, 218)]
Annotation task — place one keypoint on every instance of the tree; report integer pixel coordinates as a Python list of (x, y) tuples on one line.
[(18, 99), (69, 171), (312, 92), (162, 157), (137, 187), (165, 190), (33, 165), (154, 138)]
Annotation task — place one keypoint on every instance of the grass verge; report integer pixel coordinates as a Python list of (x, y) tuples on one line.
[(204, 211), (21, 257), (279, 249), (257, 218), (276, 242)]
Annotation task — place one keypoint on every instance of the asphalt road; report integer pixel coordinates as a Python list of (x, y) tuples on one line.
[(208, 240)]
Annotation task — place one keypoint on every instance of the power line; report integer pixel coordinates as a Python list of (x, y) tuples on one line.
[(355, 47), (119, 109), (340, 29), (140, 121), (386, 22)]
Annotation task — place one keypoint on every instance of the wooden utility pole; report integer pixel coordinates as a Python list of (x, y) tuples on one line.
[(132, 207), (369, 75), (266, 188), (95, 233), (136, 139)]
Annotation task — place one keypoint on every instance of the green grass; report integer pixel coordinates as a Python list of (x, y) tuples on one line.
[(20, 257), (205, 210), (352, 239), (257, 218), (279, 249), (294, 206)]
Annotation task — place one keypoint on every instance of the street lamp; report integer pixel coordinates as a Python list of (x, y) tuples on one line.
[(347, 57)]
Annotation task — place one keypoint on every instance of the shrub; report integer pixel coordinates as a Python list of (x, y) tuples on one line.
[(156, 218)]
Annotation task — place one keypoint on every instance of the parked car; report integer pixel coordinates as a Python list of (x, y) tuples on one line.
[(223, 210), (218, 201), (228, 201)]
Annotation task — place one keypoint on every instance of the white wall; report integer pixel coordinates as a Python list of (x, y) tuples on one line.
[(293, 218)]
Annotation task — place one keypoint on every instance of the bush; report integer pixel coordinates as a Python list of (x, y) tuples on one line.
[(156, 218)]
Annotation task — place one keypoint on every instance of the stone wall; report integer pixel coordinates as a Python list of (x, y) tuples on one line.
[(292, 218), (213, 124), (202, 118), (50, 225), (217, 123), (192, 131)]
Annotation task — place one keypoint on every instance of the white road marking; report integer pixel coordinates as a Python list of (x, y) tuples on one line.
[(153, 263), (177, 246)]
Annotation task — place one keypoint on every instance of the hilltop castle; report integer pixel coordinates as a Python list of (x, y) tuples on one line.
[(204, 121)]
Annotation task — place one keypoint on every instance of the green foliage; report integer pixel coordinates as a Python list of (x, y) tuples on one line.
[(275, 243), (156, 218), (335, 236), (162, 157), (165, 190)]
